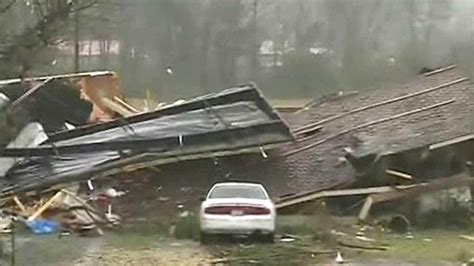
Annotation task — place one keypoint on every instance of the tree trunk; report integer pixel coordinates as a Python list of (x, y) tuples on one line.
[(255, 45), (76, 42)]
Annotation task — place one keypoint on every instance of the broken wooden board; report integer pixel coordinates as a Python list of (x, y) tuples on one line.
[(19, 204), (414, 191), (399, 174), (45, 206), (337, 193)]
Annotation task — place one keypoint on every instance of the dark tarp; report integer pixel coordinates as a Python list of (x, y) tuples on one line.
[(233, 121)]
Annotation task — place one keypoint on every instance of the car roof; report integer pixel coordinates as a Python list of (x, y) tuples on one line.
[(250, 184)]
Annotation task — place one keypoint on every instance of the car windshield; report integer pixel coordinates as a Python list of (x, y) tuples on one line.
[(246, 192)]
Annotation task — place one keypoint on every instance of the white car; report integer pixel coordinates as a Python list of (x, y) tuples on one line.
[(237, 209)]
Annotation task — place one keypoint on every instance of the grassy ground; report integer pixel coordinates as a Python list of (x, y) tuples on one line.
[(429, 246), (315, 243)]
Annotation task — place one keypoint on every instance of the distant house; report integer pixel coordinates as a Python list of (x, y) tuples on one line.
[(271, 54), (91, 48)]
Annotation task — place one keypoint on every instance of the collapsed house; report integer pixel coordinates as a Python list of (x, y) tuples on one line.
[(415, 133), (337, 134), (230, 122), (374, 128), (404, 135)]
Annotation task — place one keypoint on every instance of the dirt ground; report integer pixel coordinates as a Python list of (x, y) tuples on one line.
[(310, 240), (108, 250)]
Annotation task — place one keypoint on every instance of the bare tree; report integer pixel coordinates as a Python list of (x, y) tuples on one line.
[(19, 51)]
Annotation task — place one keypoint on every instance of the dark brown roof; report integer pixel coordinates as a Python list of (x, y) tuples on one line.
[(433, 107)]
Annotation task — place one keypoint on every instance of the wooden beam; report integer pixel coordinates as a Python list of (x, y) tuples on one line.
[(125, 104), (339, 193), (399, 174), (43, 208), (116, 107), (451, 142), (309, 130), (19, 204), (359, 246), (28, 93), (382, 193), (364, 212), (437, 71), (414, 191)]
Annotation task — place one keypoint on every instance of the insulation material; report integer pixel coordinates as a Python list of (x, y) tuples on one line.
[(94, 89)]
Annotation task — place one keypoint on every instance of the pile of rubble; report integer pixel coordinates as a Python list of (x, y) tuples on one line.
[(409, 143), (48, 170)]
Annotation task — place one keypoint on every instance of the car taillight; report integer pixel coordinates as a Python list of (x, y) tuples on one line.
[(237, 210), (256, 211), (218, 210)]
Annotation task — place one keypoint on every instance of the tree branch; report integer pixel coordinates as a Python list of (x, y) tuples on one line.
[(7, 6), (19, 50)]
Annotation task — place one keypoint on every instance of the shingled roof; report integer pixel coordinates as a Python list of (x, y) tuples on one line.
[(434, 107)]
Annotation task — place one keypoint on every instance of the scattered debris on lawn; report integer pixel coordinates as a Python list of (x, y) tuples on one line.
[(399, 224), (470, 238)]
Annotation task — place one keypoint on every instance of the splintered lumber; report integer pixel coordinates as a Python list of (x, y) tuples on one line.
[(81, 201), (389, 101), (45, 206), (370, 123), (399, 174), (360, 246), (29, 93), (338, 193), (125, 104), (451, 142), (19, 204), (310, 130), (466, 237), (414, 191), (439, 70), (364, 212), (334, 186), (116, 107)]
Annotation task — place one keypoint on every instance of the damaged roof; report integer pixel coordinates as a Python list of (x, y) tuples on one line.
[(234, 121), (54, 100), (432, 108)]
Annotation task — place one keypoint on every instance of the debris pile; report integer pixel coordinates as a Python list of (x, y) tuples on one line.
[(410, 143), (49, 156), (63, 211)]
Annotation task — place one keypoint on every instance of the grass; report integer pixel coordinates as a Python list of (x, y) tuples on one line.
[(442, 246), (427, 246)]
